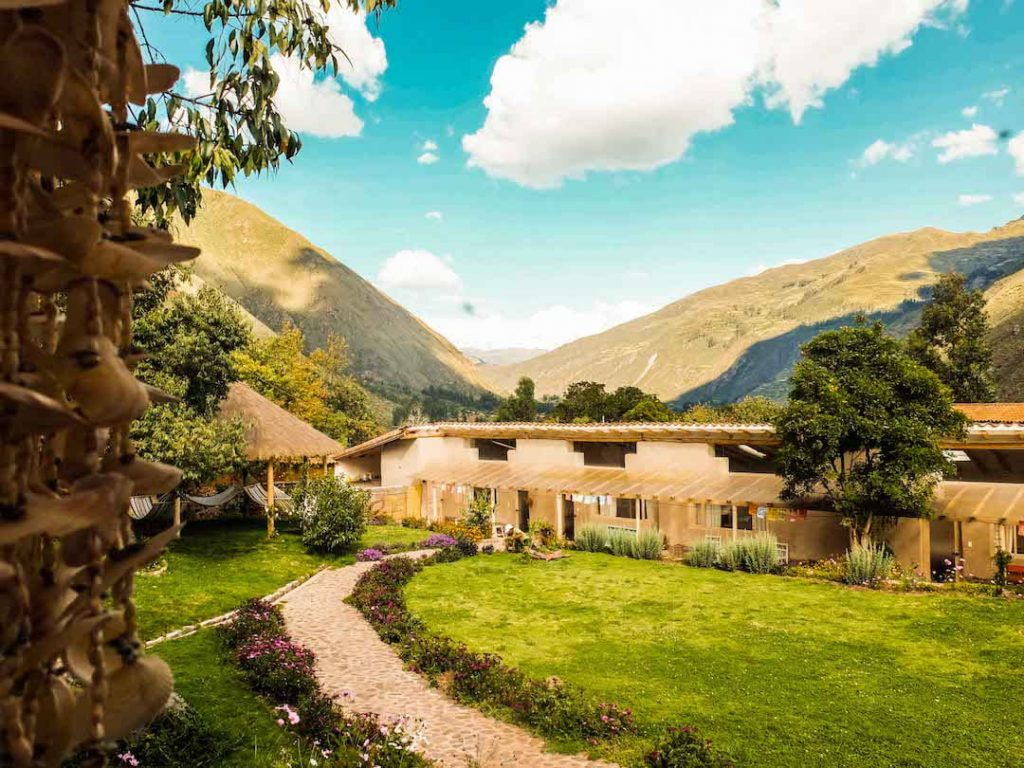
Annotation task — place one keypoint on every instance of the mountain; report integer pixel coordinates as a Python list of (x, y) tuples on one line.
[(277, 275), (743, 337), (508, 356)]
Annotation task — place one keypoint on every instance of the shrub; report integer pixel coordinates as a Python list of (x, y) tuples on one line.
[(542, 533), (761, 553), (254, 618), (178, 736), (458, 530), (277, 667), (621, 543), (1002, 562), (867, 565), (413, 522), (478, 514), (592, 538), (333, 513), (438, 541), (705, 554), (647, 545), (685, 748), (369, 554), (730, 556)]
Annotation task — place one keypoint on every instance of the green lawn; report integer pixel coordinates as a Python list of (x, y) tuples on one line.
[(780, 672), (215, 688), (214, 566)]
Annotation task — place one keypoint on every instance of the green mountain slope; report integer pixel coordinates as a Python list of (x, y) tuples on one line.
[(743, 337), (277, 275)]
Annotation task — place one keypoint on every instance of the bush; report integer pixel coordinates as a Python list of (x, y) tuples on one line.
[(647, 545), (333, 513), (621, 543), (438, 541), (761, 553), (730, 556), (685, 748), (592, 538), (705, 554), (867, 565), (254, 618), (178, 736), (413, 522), (1002, 562), (370, 554), (542, 533), (458, 530), (478, 514)]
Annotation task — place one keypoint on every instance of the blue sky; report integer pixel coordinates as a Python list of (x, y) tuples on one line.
[(622, 162)]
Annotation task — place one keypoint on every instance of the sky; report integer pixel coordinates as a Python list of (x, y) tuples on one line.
[(523, 173)]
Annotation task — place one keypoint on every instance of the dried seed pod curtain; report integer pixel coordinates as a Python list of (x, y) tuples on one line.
[(73, 676)]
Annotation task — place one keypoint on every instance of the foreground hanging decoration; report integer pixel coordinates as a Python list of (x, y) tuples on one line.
[(73, 677)]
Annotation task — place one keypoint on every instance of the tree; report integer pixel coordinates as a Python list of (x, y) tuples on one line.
[(649, 408), (522, 405), (583, 401), (621, 401), (862, 427), (317, 388), (952, 340), (753, 410), (236, 122), (190, 340)]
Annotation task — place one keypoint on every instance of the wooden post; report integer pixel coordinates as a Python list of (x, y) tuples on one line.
[(958, 543), (636, 514), (270, 499), (735, 523), (435, 514), (177, 509), (560, 514)]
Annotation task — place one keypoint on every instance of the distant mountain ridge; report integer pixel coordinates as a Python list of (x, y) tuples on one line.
[(743, 337), (507, 356), (277, 275)]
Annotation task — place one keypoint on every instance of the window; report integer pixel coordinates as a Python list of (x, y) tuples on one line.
[(604, 454), (744, 520), (1017, 539), (493, 450), (625, 508)]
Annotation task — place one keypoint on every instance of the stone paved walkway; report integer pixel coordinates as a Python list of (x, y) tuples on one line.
[(352, 659)]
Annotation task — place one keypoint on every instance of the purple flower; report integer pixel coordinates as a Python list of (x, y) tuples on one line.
[(438, 541), (369, 555)]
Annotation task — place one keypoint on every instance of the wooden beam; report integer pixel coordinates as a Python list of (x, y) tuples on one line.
[(270, 499)]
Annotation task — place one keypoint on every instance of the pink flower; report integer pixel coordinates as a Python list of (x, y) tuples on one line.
[(127, 758)]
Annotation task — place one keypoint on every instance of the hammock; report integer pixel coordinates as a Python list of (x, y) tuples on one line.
[(141, 506), (259, 494), (217, 499)]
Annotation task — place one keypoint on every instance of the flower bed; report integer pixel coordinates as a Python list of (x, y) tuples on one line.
[(551, 708), (283, 671)]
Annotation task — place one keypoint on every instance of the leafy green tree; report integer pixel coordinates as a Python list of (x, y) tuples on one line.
[(190, 339), (203, 448), (333, 513), (522, 405), (753, 410), (316, 388), (236, 122), (862, 428), (583, 401), (649, 408), (621, 401), (952, 340)]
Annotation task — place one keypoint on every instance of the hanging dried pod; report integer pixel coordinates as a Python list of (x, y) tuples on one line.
[(68, 156)]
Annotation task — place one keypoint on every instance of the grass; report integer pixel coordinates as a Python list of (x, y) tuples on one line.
[(215, 688), (215, 565), (778, 671)]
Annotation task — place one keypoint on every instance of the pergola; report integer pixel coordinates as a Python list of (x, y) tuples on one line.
[(274, 435)]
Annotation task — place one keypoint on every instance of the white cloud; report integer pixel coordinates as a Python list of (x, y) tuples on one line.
[(544, 329), (307, 106), (969, 112), (969, 200), (997, 96), (365, 58), (881, 150), (1016, 149), (576, 93), (417, 271), (428, 146), (975, 141), (427, 158), (434, 215), (1019, 198)]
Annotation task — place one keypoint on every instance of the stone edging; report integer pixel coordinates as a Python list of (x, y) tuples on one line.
[(273, 597)]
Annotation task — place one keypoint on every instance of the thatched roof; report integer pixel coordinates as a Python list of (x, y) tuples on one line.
[(271, 432)]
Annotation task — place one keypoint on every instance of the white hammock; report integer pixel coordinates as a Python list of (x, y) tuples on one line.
[(217, 499), (141, 506), (259, 494)]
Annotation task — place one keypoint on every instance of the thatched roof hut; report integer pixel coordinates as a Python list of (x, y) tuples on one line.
[(273, 434)]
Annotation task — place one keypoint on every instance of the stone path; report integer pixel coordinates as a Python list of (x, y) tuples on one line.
[(354, 663)]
